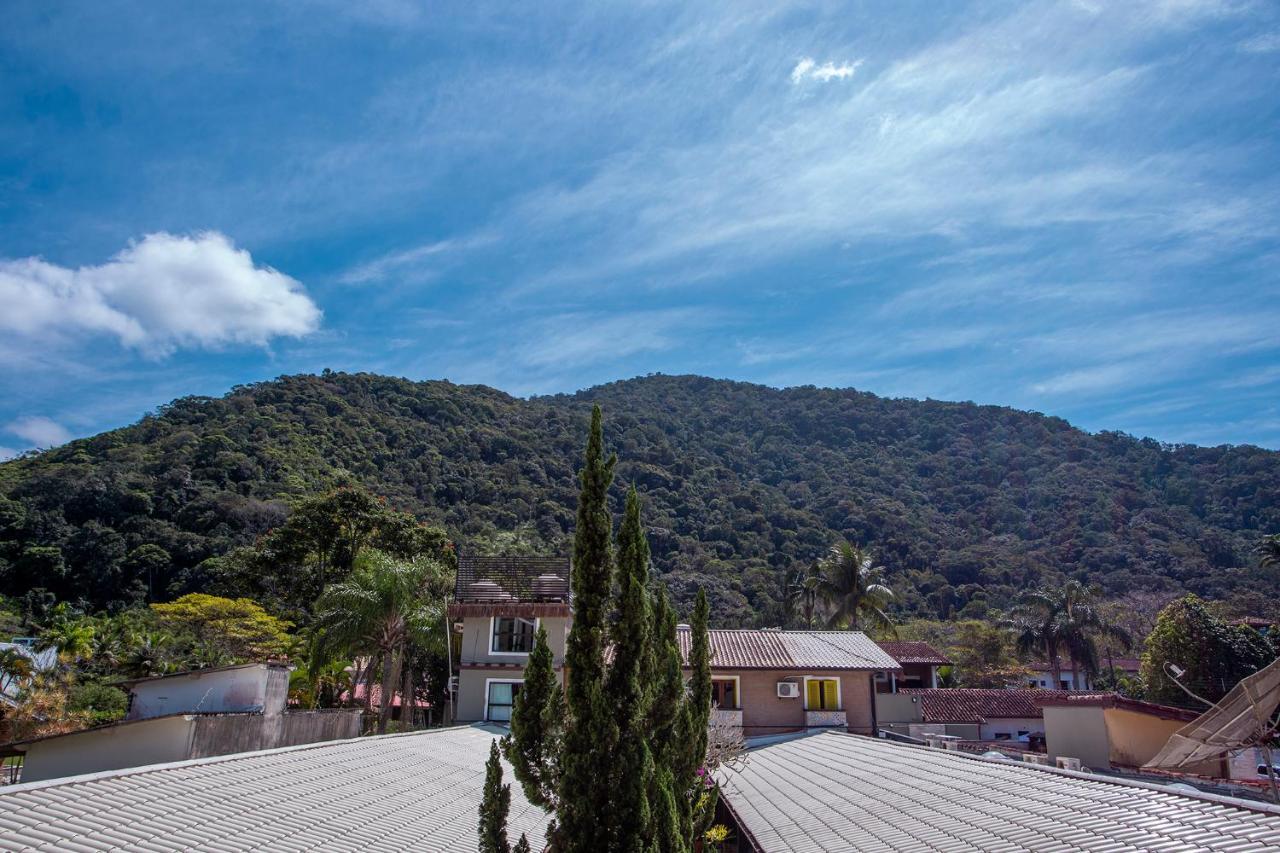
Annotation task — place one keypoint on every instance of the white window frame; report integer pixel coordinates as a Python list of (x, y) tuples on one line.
[(493, 625), (839, 690), (737, 688), (489, 681)]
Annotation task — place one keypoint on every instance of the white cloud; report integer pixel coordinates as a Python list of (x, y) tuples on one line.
[(160, 293), (808, 69), (41, 432), (7, 453)]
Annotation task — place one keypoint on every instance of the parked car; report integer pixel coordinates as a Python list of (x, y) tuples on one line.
[(1262, 770)]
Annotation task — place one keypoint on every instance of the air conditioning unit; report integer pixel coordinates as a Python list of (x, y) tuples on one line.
[(788, 690), (1066, 763)]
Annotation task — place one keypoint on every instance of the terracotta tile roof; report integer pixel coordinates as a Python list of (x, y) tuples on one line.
[(838, 791), (974, 704), (913, 652), (511, 578), (794, 650), (1113, 700)]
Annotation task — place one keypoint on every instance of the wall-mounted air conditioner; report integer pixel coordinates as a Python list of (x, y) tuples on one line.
[(788, 690)]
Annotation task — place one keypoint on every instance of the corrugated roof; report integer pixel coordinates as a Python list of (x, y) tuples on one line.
[(513, 576), (841, 792), (974, 704), (794, 650), (417, 791), (913, 652)]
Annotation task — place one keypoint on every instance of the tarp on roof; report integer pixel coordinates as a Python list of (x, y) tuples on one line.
[(1237, 721)]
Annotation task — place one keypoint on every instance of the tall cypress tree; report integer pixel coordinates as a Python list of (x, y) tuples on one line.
[(629, 815), (590, 734), (494, 806), (617, 759), (537, 728)]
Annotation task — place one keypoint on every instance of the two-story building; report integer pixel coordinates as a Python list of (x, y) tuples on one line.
[(499, 604), (765, 681)]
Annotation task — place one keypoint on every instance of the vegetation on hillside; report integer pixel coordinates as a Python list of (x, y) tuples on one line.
[(966, 506)]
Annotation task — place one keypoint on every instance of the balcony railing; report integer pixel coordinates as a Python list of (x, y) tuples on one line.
[(825, 719)]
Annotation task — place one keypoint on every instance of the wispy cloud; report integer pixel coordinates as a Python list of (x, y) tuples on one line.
[(411, 264), (1261, 43), (808, 69)]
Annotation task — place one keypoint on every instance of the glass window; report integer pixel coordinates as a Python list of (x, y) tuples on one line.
[(823, 694), (502, 696), (513, 635), (724, 693)]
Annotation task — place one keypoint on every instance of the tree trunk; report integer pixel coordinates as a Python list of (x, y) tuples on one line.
[(408, 720), (368, 683), (390, 675), (1075, 674), (1055, 666)]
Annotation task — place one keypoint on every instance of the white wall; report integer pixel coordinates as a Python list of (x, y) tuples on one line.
[(1012, 725), (239, 689)]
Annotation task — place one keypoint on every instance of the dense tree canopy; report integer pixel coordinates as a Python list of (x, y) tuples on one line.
[(964, 505)]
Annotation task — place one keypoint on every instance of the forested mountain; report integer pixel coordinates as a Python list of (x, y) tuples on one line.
[(965, 504)]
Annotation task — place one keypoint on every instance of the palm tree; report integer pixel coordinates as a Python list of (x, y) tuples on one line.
[(1066, 620), (854, 588), (1082, 623), (1268, 551), (383, 608), (1037, 628), (802, 591)]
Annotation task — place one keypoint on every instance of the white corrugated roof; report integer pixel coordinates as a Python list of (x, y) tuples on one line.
[(418, 791), (840, 792), (747, 648)]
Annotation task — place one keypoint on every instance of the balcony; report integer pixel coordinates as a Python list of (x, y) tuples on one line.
[(825, 720), (727, 717)]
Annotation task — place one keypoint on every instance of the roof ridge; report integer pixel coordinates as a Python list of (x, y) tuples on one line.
[(85, 778)]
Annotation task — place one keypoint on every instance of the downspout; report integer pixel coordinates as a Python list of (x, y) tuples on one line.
[(875, 722)]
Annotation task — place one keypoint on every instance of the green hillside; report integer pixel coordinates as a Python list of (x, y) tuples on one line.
[(965, 504)]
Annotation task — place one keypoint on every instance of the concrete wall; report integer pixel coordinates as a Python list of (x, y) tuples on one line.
[(243, 689), (111, 748), (226, 735), (178, 738), (476, 640), (1078, 732), (894, 708)]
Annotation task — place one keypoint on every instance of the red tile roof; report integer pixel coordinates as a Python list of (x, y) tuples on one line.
[(913, 651), (792, 650), (974, 704)]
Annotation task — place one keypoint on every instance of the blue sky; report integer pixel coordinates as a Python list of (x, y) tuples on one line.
[(1071, 207)]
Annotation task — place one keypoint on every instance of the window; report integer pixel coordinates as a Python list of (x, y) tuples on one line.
[(1002, 736), (1066, 685), (822, 694), (501, 698), (724, 693), (512, 635)]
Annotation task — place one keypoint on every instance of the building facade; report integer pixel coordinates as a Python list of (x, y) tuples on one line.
[(763, 681)]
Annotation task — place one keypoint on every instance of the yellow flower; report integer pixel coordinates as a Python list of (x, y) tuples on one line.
[(717, 834)]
